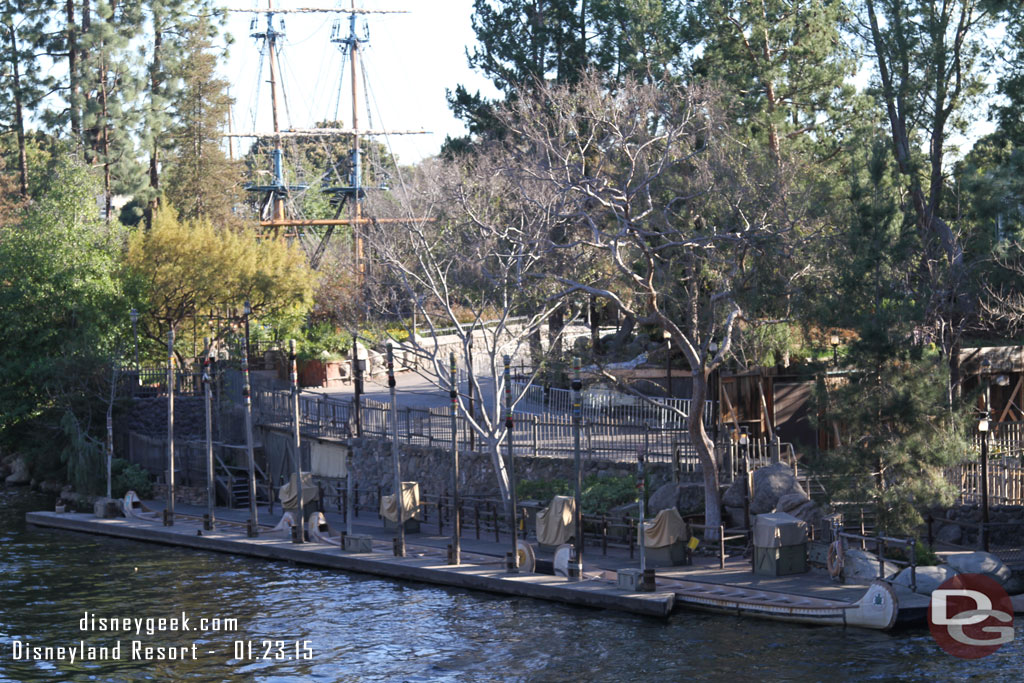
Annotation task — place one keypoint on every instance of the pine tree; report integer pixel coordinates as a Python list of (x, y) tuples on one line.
[(200, 180), (22, 35), (785, 62), (109, 79)]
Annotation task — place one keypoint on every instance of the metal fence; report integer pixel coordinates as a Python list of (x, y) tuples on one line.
[(544, 435), (537, 435), (153, 382), (626, 408)]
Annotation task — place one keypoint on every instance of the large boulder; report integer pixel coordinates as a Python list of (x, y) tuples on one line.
[(861, 566), (927, 578), (979, 562), (770, 484), (800, 506), (686, 498), (19, 475)]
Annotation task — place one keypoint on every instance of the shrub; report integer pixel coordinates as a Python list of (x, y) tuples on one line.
[(126, 476)]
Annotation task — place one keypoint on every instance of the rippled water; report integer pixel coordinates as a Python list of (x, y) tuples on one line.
[(366, 629)]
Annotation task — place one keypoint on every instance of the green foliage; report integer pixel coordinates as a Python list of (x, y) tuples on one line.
[(542, 490), (126, 476), (61, 301), (598, 495), (200, 180), (898, 431), (323, 340), (180, 269)]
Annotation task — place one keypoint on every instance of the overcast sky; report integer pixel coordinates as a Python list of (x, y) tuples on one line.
[(410, 60)]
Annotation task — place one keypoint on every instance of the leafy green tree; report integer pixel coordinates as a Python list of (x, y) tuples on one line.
[(180, 270), (63, 314)]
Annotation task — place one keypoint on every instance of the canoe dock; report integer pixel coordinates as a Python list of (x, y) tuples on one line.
[(806, 598)]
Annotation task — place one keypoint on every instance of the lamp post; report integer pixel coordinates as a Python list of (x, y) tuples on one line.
[(399, 497), (576, 565), (983, 427), (453, 393), (513, 563), (668, 361), (834, 341)]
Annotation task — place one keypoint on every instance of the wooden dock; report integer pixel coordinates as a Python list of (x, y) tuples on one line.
[(422, 563), (811, 597)]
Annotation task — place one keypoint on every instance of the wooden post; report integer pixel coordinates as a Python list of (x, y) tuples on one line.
[(169, 511), (300, 510)]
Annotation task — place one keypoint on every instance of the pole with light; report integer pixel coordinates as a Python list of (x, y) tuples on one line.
[(169, 510), (456, 551), (399, 497), (300, 511), (668, 362), (513, 563), (834, 341), (983, 428), (576, 563)]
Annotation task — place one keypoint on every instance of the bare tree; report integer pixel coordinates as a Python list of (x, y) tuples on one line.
[(470, 279), (651, 181)]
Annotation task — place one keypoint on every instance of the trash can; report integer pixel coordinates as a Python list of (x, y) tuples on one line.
[(780, 545)]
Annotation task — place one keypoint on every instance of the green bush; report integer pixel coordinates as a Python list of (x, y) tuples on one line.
[(597, 497), (126, 477), (543, 490), (601, 495)]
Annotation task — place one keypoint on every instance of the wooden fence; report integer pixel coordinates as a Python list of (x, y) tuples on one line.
[(1005, 481)]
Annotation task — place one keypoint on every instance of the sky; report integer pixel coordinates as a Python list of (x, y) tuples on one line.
[(410, 60)]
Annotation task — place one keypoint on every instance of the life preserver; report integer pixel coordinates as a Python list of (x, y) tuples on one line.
[(834, 561)]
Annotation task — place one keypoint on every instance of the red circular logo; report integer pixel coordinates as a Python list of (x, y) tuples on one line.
[(970, 616)]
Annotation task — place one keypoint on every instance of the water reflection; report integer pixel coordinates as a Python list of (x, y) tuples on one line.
[(366, 629)]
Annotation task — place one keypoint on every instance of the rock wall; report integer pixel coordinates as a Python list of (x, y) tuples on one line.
[(432, 468), (1008, 521)]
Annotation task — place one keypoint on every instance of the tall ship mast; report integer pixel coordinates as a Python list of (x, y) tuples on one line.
[(276, 198)]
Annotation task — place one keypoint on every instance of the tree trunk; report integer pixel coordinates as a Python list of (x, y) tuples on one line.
[(154, 152), (705, 450), (494, 448), (72, 38), (19, 120)]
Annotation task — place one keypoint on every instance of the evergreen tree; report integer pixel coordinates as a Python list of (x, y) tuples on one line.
[(527, 42), (200, 179), (110, 83), (787, 64), (22, 36)]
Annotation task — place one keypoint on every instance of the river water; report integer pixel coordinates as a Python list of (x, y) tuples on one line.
[(351, 627)]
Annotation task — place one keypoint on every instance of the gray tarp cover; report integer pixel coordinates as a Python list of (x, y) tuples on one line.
[(778, 529), (665, 529), (410, 503), (554, 523), (288, 493)]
